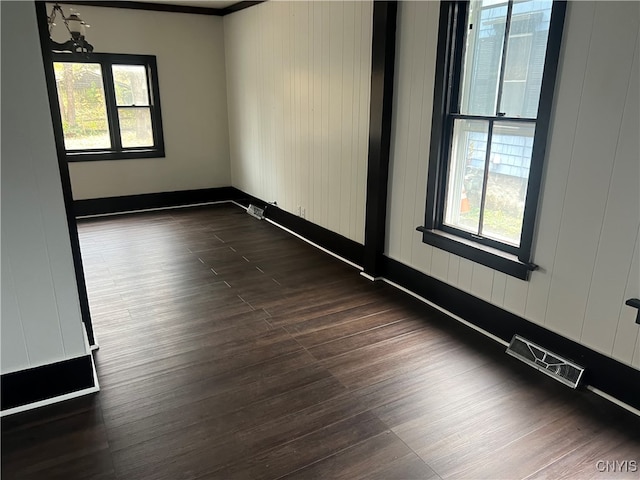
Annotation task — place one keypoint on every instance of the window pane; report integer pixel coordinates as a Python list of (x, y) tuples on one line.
[(509, 163), (466, 174), (135, 127), (82, 105), (483, 57), (524, 64), (130, 82)]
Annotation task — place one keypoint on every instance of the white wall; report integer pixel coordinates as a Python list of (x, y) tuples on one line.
[(298, 80), (41, 321), (587, 243), (191, 70)]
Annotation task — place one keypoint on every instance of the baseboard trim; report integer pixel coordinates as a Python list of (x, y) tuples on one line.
[(331, 241), (603, 373), (36, 387), (152, 201)]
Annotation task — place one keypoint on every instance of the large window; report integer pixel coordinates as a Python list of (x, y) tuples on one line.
[(492, 104), (109, 106)]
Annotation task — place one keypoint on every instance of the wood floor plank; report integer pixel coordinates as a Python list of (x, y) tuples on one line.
[(311, 448), (362, 461), (231, 349)]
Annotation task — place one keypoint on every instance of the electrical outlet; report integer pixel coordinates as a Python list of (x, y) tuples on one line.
[(299, 211), (304, 213)]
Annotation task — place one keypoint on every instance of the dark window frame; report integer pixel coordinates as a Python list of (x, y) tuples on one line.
[(117, 152), (514, 261)]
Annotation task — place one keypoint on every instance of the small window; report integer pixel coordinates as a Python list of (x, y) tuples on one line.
[(109, 106), (492, 105)]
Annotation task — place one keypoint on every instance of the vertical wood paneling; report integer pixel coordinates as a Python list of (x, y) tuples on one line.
[(465, 274), (440, 264), (498, 288), (315, 214), (619, 228), (600, 117), (515, 296), (636, 355), (347, 107), (365, 109), (398, 156), (41, 321), (415, 55), (454, 269), (429, 20), (570, 80), (415, 132), (588, 216), (26, 245), (482, 282), (310, 64), (15, 355), (627, 332)]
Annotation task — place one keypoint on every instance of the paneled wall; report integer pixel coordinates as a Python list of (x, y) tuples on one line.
[(190, 55), (298, 81), (587, 241), (41, 321)]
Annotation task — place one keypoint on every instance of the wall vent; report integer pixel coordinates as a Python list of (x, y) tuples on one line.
[(547, 362), (255, 212)]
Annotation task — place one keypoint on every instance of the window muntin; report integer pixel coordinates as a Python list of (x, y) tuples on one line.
[(504, 57), (495, 76), (502, 67), (111, 110), (133, 103)]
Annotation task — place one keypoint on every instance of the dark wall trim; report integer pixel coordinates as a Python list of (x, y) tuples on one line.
[(334, 242), (98, 206), (602, 372), (240, 6), (484, 255), (45, 382), (382, 73), (41, 15), (156, 7), (164, 7)]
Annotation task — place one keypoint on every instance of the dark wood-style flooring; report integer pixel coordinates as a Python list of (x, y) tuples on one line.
[(230, 349)]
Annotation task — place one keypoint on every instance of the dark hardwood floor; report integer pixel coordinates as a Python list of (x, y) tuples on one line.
[(230, 349)]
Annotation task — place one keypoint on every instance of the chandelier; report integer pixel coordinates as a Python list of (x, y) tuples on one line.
[(76, 28)]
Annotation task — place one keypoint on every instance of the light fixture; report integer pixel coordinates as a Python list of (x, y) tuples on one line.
[(76, 28)]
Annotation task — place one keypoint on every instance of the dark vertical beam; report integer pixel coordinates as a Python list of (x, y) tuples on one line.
[(382, 73), (41, 14)]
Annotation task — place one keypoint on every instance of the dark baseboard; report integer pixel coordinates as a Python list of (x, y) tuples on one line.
[(48, 381), (98, 206), (604, 373), (334, 242), (612, 377)]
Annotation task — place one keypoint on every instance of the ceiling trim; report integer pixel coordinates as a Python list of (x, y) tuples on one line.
[(166, 7)]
